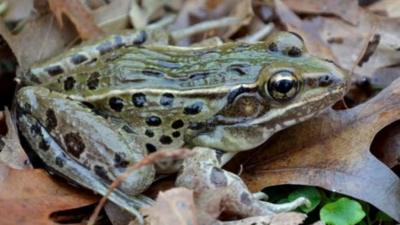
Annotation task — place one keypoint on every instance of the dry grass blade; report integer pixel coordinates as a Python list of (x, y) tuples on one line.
[(150, 159)]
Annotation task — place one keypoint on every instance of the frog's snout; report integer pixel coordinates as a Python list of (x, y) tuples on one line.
[(336, 78)]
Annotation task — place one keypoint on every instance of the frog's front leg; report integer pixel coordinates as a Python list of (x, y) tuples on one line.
[(81, 146), (215, 186)]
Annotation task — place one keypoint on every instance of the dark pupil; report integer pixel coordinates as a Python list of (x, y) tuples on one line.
[(283, 86)]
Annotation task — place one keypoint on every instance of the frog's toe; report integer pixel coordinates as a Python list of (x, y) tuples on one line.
[(286, 207)]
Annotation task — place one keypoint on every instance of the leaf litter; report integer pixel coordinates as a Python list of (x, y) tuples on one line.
[(330, 151)]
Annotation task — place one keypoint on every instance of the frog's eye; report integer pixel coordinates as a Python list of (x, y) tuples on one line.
[(283, 86)]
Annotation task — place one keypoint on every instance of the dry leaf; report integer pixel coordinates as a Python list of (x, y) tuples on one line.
[(38, 40), (11, 152), (387, 8), (345, 9), (30, 196), (173, 207), (333, 151), (309, 31), (142, 13), (386, 145), (18, 10), (114, 16), (346, 42), (116, 215), (80, 16), (244, 12)]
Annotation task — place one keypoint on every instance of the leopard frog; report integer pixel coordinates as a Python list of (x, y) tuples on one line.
[(99, 108)]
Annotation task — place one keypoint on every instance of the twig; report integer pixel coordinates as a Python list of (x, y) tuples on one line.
[(167, 20), (149, 159), (257, 36), (204, 26)]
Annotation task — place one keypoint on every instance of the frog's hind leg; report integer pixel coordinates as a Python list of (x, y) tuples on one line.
[(82, 146), (215, 186)]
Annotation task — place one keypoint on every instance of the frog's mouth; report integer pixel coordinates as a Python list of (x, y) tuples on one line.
[(286, 115)]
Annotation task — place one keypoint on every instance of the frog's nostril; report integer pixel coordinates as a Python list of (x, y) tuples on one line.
[(326, 80)]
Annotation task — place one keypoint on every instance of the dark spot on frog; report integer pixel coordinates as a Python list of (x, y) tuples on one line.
[(102, 173), (26, 108), (150, 148), (196, 126), (118, 42), (44, 145), (176, 134), (239, 69), (152, 73), (218, 178), (167, 99), (177, 124), (35, 129), (104, 48), (141, 38), (153, 121), (78, 59), (199, 75), (116, 104), (245, 198), (139, 99), (273, 47), (119, 160), (69, 83), (149, 133), (60, 161), (236, 92), (128, 129), (51, 120), (74, 144), (193, 109), (294, 52), (325, 80), (87, 105), (166, 140), (54, 70), (93, 81)]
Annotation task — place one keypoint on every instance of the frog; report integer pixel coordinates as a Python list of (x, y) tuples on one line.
[(97, 109)]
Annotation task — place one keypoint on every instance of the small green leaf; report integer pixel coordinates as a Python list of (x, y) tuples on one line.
[(311, 193), (344, 211)]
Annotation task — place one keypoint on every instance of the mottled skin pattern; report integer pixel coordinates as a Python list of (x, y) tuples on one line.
[(97, 109)]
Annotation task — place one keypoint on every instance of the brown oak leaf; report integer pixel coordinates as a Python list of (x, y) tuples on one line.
[(80, 16), (31, 196), (333, 151)]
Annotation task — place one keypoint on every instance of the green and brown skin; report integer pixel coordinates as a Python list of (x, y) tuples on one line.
[(97, 109)]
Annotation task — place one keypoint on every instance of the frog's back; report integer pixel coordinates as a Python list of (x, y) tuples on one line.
[(166, 67)]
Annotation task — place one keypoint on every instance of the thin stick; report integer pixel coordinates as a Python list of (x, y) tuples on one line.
[(167, 20), (259, 35), (204, 26), (149, 159)]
